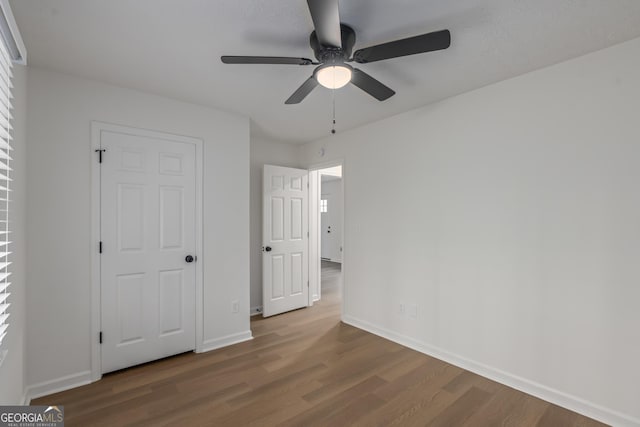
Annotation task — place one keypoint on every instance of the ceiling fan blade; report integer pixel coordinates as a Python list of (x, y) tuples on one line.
[(370, 85), (302, 92), (326, 20), (410, 46), (278, 60)]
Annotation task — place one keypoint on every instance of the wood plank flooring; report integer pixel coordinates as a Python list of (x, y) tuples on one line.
[(305, 368)]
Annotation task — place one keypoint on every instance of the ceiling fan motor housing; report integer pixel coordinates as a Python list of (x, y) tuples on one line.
[(333, 55)]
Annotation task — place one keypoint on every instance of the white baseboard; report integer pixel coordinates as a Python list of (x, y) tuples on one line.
[(59, 384), (83, 378), (255, 310), (225, 341), (26, 400), (557, 397)]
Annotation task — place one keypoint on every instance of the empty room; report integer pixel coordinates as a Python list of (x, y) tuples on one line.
[(319, 213)]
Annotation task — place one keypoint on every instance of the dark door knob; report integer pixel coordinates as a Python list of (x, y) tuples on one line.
[(189, 258), (268, 249)]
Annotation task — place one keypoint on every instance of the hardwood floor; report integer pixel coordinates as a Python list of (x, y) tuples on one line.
[(305, 368)]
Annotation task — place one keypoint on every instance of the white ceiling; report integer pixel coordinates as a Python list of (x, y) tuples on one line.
[(172, 48), (331, 174)]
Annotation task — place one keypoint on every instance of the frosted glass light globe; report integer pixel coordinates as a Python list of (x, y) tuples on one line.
[(334, 76)]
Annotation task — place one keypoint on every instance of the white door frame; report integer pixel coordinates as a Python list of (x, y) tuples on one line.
[(96, 130), (314, 227)]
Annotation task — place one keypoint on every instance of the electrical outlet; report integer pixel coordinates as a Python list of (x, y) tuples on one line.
[(413, 311), (402, 309), (235, 306)]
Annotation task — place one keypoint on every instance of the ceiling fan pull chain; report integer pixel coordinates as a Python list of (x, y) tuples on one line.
[(333, 96)]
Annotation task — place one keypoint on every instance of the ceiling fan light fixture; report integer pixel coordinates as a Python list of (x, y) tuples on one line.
[(334, 76)]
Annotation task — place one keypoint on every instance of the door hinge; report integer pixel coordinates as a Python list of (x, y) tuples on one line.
[(100, 247), (307, 283), (100, 337), (307, 234), (100, 151)]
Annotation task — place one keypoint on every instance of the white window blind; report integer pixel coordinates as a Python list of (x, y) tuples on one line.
[(5, 185)]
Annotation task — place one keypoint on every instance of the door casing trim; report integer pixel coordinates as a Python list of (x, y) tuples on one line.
[(97, 128)]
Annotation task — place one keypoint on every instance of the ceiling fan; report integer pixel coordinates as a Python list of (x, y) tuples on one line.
[(332, 43)]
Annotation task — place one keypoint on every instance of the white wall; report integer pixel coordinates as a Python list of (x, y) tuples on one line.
[(61, 109), (12, 370), (331, 242), (263, 152), (511, 217)]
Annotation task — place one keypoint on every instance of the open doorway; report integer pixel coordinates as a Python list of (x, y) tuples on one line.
[(326, 240), (302, 247)]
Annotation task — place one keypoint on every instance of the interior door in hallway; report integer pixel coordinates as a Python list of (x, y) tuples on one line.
[(331, 219), (285, 256), (148, 226)]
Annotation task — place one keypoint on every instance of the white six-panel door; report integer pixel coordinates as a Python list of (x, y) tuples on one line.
[(147, 230), (285, 240)]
